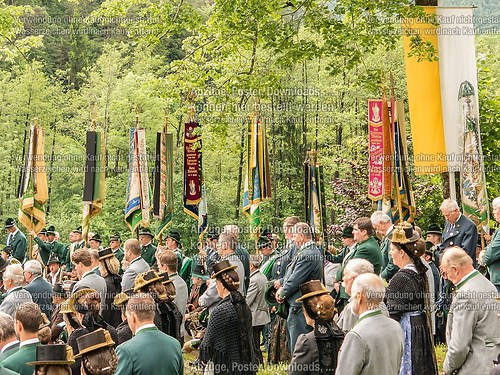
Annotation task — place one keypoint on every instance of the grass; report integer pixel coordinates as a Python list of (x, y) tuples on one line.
[(281, 369)]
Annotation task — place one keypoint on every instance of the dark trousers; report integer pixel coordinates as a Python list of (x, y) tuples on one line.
[(256, 342)]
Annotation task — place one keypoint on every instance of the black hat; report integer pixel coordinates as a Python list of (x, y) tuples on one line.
[(176, 236), (53, 259), (310, 289), (58, 290), (433, 229), (106, 253), (270, 297), (428, 245), (220, 267), (145, 278), (146, 232), (53, 354), (92, 341), (96, 238), (263, 242), (347, 232), (164, 278), (51, 230), (212, 234), (7, 249), (43, 231), (10, 222), (77, 230), (200, 272), (115, 237), (403, 233)]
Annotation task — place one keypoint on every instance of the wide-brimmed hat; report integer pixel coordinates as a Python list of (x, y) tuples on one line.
[(96, 237), (434, 229), (58, 290), (200, 272), (7, 249), (347, 232), (53, 259), (270, 297), (222, 266), (53, 354), (51, 230), (310, 289), (146, 232), (92, 341), (76, 295), (176, 236), (115, 237), (403, 233), (10, 222), (144, 279), (106, 253), (123, 297)]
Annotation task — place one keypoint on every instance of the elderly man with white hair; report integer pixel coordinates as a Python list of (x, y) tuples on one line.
[(459, 230), (490, 257), (39, 288), (473, 328), (382, 224), (13, 280), (375, 343)]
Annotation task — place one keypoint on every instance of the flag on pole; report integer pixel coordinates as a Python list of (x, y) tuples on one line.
[(33, 189), (257, 186), (315, 197), (195, 200), (138, 203), (473, 180), (93, 188), (163, 199)]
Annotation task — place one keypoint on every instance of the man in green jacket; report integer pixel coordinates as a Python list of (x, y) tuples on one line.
[(150, 351), (8, 339), (27, 321), (16, 240), (52, 246), (148, 250), (490, 256)]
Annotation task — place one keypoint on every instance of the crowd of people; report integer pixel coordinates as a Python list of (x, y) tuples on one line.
[(378, 305)]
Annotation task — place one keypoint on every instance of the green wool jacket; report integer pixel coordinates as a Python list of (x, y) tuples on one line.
[(6, 354), (492, 258), (148, 253), (19, 246), (17, 361), (46, 249), (150, 352)]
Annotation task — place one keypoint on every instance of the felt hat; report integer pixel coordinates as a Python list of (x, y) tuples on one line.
[(51, 230), (58, 290), (10, 222), (176, 236), (77, 230), (263, 242), (144, 279), (347, 232), (270, 297), (310, 289), (428, 245), (123, 297), (146, 232), (115, 237), (220, 267), (106, 253), (92, 341), (403, 233), (53, 354), (434, 229), (7, 249), (96, 237), (200, 272), (43, 231), (53, 259)]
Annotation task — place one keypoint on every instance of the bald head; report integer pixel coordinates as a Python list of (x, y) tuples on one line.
[(456, 264), (371, 287)]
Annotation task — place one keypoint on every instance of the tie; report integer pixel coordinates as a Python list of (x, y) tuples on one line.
[(452, 226)]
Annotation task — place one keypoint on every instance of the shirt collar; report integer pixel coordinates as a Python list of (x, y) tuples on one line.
[(135, 259), (88, 273), (14, 233), (9, 345), (389, 230), (465, 278), (35, 278), (28, 342), (149, 243), (145, 326)]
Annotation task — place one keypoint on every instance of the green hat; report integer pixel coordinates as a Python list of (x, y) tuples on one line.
[(53, 259), (200, 272), (51, 230), (270, 296), (96, 238), (10, 222), (146, 232), (176, 236), (263, 242), (43, 231), (115, 237), (77, 230), (434, 229), (347, 232)]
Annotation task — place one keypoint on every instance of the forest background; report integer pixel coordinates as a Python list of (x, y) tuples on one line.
[(310, 66)]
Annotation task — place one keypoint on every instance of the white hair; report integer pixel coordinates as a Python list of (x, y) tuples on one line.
[(449, 205), (371, 286), (496, 202), (14, 272), (380, 217), (456, 256), (232, 229), (359, 266), (33, 266)]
